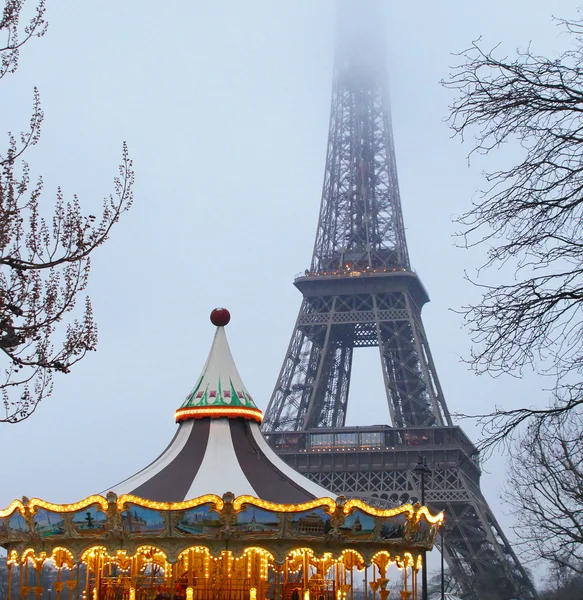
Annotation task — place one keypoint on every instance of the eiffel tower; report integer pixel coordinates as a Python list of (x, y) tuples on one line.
[(360, 291)]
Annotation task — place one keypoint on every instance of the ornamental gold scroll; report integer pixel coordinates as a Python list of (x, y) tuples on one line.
[(127, 520)]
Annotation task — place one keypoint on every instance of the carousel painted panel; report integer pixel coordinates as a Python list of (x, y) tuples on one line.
[(309, 523), (48, 523), (4, 528), (394, 528), (359, 525), (201, 520), (17, 525), (424, 534), (254, 521), (138, 520), (89, 521)]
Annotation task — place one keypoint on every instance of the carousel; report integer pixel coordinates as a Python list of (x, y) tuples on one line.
[(217, 516)]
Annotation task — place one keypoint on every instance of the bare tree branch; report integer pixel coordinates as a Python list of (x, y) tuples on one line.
[(44, 260), (529, 217), (545, 489)]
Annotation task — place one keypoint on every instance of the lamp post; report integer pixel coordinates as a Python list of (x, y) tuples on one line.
[(422, 469), (442, 564)]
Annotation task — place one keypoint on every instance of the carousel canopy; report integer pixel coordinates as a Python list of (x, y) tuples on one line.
[(218, 446), (216, 515)]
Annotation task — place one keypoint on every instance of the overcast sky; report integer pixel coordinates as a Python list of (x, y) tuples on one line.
[(224, 106)]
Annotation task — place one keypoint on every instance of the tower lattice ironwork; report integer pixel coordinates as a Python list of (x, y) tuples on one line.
[(360, 291)]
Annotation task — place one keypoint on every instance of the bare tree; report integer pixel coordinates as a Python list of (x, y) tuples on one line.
[(563, 584), (545, 489), (434, 585), (44, 250), (529, 217)]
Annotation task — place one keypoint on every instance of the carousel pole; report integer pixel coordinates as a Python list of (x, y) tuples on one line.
[(305, 570), (26, 591), (442, 564), (9, 579), (20, 570), (97, 577), (173, 567), (365, 582), (189, 590), (207, 571), (77, 581), (26, 578), (285, 577), (280, 575), (86, 591), (415, 582), (58, 586), (152, 572)]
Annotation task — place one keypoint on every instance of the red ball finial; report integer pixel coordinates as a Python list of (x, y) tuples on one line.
[(220, 317)]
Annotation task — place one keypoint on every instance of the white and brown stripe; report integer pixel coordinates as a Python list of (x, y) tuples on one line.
[(214, 456)]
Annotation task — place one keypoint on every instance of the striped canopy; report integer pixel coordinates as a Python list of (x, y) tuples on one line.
[(218, 446)]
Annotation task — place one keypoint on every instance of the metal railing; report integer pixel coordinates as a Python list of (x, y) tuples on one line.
[(375, 438), (351, 272)]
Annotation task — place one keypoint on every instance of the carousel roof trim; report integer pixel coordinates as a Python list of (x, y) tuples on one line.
[(340, 506)]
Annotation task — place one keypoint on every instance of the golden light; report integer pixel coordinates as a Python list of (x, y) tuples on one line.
[(231, 412)]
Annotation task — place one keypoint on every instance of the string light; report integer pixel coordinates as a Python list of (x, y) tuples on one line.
[(62, 557), (377, 512), (92, 552), (360, 564), (15, 504), (38, 560), (207, 499), (61, 508), (219, 504), (433, 519), (231, 412), (240, 500)]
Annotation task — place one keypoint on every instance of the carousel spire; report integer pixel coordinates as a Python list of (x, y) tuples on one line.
[(218, 446), (219, 391)]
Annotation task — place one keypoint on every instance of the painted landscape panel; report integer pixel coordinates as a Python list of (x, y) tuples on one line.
[(48, 524), (201, 520), (17, 523), (257, 521), (4, 527), (137, 519), (310, 522), (424, 533), (358, 524), (394, 527), (89, 521)]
